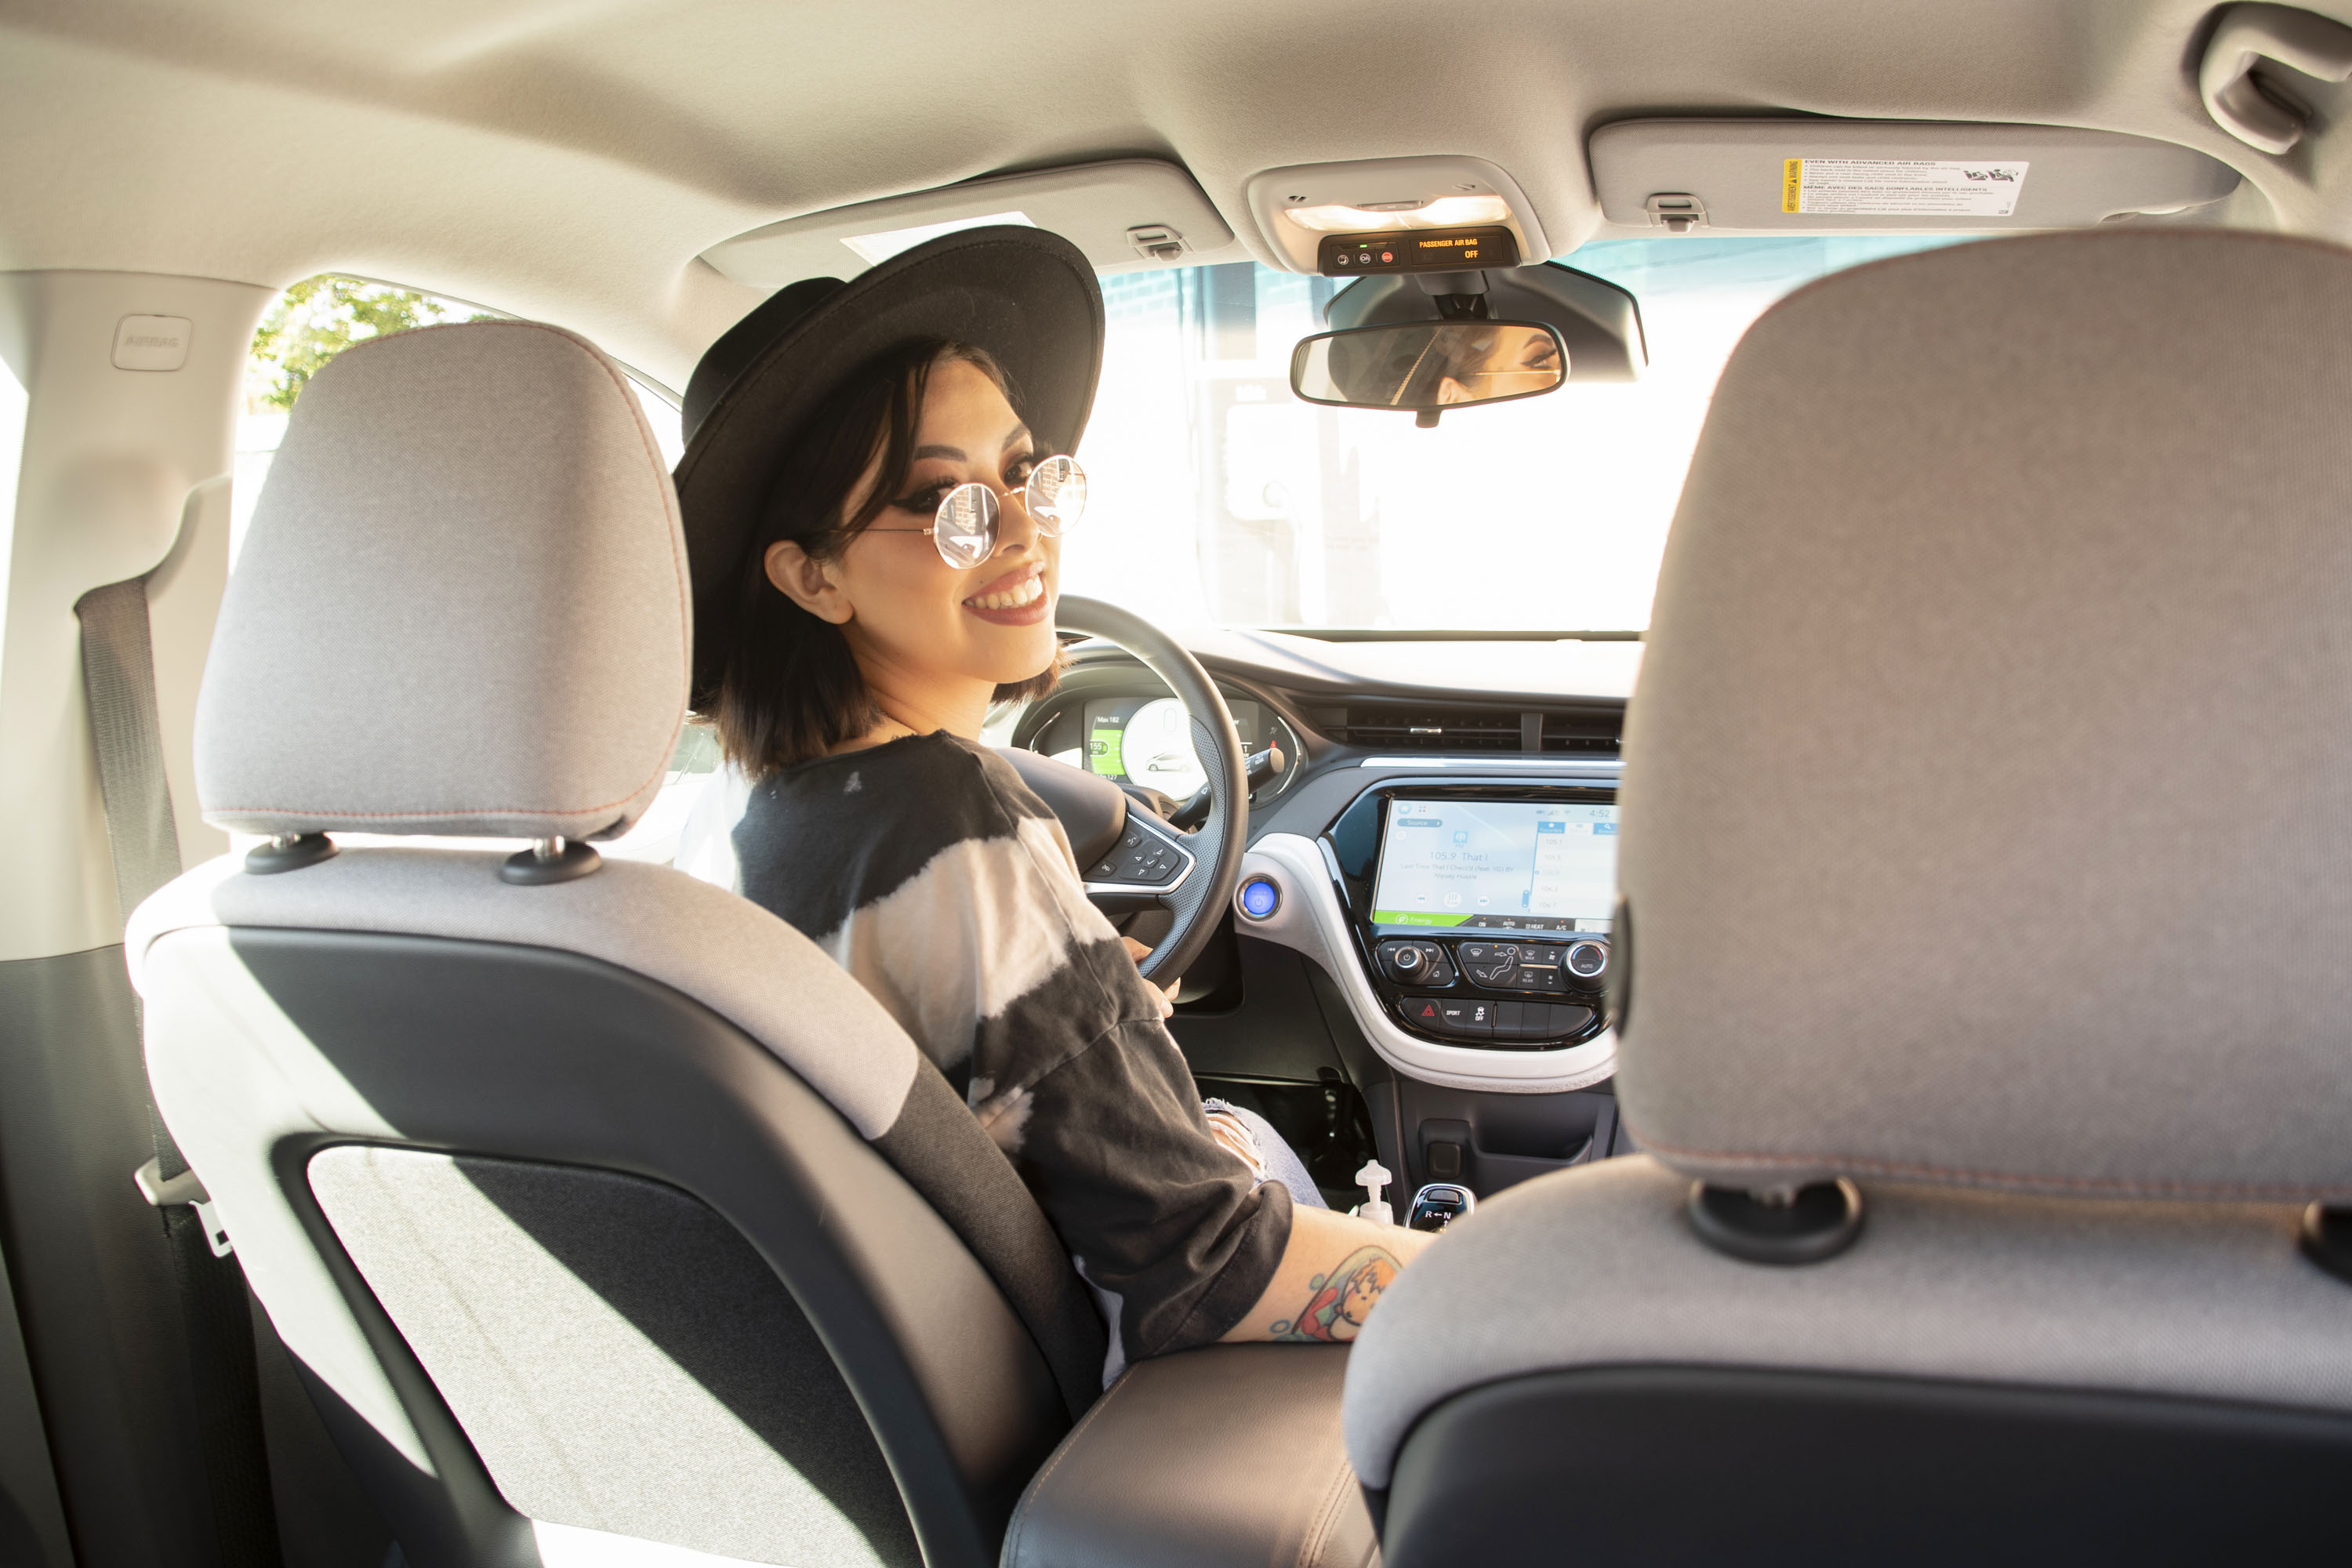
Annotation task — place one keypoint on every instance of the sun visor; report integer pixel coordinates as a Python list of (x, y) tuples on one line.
[(1875, 176), (1125, 214)]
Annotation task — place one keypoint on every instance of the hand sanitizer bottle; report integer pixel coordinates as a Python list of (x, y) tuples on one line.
[(1372, 1178)]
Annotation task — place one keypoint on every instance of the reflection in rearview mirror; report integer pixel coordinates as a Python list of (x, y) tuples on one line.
[(1429, 366)]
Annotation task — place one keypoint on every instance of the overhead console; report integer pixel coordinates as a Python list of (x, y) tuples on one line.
[(1307, 210), (1790, 176)]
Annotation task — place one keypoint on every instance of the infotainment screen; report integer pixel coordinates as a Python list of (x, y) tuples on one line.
[(1501, 865)]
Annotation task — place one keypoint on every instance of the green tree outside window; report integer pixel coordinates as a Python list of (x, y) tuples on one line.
[(319, 318)]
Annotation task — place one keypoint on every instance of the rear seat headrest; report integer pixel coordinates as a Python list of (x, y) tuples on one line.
[(461, 606), (1987, 798)]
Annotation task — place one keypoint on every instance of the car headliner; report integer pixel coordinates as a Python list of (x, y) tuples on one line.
[(570, 158)]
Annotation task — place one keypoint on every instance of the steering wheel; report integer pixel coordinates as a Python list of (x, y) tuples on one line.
[(1131, 859)]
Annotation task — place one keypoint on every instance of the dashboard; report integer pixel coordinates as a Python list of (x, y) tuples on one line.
[(1441, 843)]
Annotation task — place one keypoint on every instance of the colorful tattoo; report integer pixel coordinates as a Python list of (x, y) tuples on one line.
[(1339, 1302)]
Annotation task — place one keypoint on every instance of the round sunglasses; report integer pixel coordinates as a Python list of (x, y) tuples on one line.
[(965, 528)]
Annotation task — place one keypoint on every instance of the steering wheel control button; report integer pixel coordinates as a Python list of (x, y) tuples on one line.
[(1142, 858), (1260, 898)]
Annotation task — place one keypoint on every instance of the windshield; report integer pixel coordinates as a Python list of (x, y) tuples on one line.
[(1219, 498)]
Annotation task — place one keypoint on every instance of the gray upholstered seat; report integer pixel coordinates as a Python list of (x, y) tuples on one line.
[(600, 1207), (1985, 803)]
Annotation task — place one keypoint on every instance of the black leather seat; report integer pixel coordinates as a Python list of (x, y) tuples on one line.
[(1223, 1457)]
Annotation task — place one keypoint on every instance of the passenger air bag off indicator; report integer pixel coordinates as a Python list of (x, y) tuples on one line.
[(1900, 187)]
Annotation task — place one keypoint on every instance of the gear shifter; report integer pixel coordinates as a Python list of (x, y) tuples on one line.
[(1439, 1204)]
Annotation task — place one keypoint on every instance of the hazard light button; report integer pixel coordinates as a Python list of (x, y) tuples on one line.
[(1426, 1011), (1457, 1017)]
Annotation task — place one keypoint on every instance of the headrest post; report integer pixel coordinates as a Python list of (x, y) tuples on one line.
[(556, 859), (288, 852), (2326, 1239), (1783, 1225)]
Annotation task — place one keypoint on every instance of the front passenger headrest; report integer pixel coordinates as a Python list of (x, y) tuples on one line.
[(461, 606), (1988, 789)]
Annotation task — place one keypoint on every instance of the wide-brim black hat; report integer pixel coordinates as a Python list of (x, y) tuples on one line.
[(1028, 297)]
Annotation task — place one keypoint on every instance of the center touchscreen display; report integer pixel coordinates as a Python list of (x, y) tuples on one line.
[(1502, 865)]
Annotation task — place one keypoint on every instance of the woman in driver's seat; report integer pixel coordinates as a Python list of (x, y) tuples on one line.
[(873, 508)]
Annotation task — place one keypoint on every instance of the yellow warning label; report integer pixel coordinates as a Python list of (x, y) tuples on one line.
[(1792, 182)]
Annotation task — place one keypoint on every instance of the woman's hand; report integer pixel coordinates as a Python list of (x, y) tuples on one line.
[(1166, 993)]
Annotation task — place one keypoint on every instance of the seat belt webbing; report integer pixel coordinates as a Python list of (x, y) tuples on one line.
[(118, 669), (118, 677)]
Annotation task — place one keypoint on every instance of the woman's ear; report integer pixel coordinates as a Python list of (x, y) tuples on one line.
[(807, 582)]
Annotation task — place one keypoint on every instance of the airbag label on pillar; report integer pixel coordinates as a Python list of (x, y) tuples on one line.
[(152, 342), (1900, 187)]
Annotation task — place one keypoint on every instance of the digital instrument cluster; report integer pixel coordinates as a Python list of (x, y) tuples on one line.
[(1148, 740)]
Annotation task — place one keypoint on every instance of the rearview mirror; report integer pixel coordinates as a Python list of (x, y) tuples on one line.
[(1428, 367)]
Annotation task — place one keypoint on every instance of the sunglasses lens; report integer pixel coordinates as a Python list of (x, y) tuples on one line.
[(1057, 494), (965, 529)]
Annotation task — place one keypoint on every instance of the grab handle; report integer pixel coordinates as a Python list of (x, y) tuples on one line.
[(2249, 110)]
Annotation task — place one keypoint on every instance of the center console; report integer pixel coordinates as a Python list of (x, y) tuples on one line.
[(1462, 909), (1482, 912)]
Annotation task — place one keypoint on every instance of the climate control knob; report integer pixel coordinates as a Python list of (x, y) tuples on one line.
[(1587, 960)]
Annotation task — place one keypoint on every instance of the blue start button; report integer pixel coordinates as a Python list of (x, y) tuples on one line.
[(1260, 898)]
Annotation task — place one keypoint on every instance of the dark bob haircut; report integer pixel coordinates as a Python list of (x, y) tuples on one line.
[(789, 689)]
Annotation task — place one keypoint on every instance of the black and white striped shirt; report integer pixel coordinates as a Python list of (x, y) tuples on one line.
[(933, 875)]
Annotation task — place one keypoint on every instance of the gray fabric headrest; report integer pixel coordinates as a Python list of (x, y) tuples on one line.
[(1989, 784), (461, 606)]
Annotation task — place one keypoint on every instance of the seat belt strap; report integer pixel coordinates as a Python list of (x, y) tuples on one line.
[(117, 672), (118, 677)]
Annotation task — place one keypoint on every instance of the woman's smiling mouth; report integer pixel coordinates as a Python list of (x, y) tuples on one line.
[(1014, 600)]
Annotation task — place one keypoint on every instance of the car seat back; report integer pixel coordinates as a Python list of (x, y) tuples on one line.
[(589, 1200), (1981, 999)]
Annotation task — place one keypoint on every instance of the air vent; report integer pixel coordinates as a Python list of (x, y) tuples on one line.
[(1417, 729), (1584, 734)]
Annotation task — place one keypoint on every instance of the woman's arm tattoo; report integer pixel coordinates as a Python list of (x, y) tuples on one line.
[(1339, 1302)]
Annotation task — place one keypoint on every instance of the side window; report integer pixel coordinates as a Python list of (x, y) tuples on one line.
[(308, 325)]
